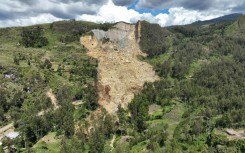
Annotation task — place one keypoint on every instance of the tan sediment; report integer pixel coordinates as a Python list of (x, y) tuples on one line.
[(120, 73)]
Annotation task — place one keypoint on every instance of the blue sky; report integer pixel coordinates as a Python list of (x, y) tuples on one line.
[(163, 12), (154, 12)]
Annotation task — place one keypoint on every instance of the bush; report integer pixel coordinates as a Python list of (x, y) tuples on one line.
[(32, 37)]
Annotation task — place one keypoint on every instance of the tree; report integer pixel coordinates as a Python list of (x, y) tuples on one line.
[(90, 97), (157, 136), (59, 70), (32, 37), (64, 118), (47, 64), (139, 112), (18, 99), (122, 116), (2, 117), (3, 101), (64, 94), (29, 62), (68, 124), (165, 68), (96, 141)]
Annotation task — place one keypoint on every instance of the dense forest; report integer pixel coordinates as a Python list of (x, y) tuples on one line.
[(200, 94), (203, 70)]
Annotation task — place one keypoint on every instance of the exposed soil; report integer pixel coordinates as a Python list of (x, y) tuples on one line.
[(112, 142), (235, 134), (54, 102), (53, 99), (120, 74)]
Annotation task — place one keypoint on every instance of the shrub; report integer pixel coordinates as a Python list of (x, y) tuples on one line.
[(32, 37)]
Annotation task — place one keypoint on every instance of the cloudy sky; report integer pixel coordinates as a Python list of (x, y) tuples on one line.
[(163, 12)]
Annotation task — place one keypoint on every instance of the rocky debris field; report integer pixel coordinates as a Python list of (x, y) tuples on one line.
[(120, 73)]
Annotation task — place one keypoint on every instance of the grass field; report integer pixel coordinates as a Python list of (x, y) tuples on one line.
[(48, 144)]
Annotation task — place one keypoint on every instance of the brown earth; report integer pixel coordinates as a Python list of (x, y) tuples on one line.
[(120, 74), (54, 101), (235, 134)]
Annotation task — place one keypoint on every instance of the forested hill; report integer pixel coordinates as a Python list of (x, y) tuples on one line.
[(202, 68), (226, 18), (48, 90)]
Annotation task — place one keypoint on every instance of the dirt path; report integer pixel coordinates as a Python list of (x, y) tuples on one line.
[(54, 101), (120, 73), (112, 142)]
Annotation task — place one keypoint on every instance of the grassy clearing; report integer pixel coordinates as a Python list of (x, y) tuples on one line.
[(139, 147), (158, 60), (172, 117), (176, 113), (48, 144), (51, 148), (157, 114)]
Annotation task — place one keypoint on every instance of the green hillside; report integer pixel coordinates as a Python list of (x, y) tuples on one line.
[(237, 29), (35, 60), (202, 69), (198, 99)]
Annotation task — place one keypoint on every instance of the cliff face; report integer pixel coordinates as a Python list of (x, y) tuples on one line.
[(120, 73), (118, 34)]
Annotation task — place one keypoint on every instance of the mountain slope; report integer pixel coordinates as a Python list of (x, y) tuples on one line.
[(106, 96), (237, 29), (226, 18), (120, 73)]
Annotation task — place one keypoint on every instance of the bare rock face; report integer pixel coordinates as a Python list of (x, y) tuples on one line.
[(99, 34), (117, 34), (120, 74)]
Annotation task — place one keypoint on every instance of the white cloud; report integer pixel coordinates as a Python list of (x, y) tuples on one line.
[(42, 18), (204, 5), (177, 15), (180, 16), (66, 9), (22, 13), (111, 13)]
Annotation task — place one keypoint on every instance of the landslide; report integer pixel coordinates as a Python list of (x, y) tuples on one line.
[(120, 74)]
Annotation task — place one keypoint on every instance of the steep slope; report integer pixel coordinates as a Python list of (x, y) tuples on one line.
[(237, 29), (120, 73)]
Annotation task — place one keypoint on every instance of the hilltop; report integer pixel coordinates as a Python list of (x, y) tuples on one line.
[(226, 18)]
